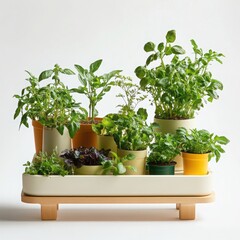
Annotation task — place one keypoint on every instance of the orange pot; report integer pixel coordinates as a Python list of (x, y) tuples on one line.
[(85, 136), (195, 164), (38, 135)]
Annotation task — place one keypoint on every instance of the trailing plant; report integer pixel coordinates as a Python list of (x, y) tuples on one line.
[(179, 86), (107, 126), (117, 165), (93, 86), (84, 156), (201, 141), (59, 109), (133, 133), (131, 96), (45, 164), (164, 149)]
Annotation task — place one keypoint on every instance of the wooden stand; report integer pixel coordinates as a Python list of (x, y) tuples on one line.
[(185, 204)]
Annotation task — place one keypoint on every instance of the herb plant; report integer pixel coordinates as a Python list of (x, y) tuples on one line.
[(84, 156), (164, 149), (93, 86), (117, 165), (133, 133), (178, 86), (201, 141), (45, 164)]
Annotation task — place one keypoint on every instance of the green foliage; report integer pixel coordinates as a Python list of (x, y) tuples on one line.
[(131, 96), (45, 164), (93, 86), (179, 86), (132, 132), (164, 148), (117, 165), (201, 141)]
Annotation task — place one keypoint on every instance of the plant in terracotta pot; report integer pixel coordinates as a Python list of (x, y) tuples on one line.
[(60, 114), (29, 107), (118, 165), (134, 135), (162, 153), (198, 148), (94, 88), (85, 161), (179, 85)]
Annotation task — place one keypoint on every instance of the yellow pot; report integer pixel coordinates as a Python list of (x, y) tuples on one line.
[(89, 170), (195, 164)]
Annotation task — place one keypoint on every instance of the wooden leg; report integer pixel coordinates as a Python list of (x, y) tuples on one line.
[(177, 206), (49, 211), (187, 211)]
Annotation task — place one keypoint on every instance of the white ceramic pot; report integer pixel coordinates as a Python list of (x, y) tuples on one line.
[(52, 139), (170, 126), (139, 162)]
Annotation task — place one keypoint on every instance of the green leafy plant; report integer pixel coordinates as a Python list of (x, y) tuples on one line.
[(45, 164), (131, 96), (164, 149), (84, 156), (117, 165), (93, 86), (179, 86), (133, 133), (59, 109), (201, 141)]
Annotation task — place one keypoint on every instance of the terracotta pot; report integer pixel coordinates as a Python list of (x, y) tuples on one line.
[(106, 142), (52, 139), (89, 170), (195, 164), (85, 136), (38, 135), (139, 162), (170, 126), (161, 170)]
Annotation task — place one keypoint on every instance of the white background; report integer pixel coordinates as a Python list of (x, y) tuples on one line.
[(34, 35)]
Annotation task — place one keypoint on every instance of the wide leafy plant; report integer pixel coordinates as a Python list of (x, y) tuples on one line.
[(92, 86), (201, 141), (164, 149), (179, 85)]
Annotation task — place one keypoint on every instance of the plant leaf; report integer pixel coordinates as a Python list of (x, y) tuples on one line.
[(171, 36), (149, 47), (45, 74), (95, 66)]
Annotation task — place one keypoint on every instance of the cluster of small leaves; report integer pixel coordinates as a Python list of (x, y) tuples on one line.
[(131, 96), (84, 156), (52, 104), (117, 165), (45, 164), (107, 126), (133, 133), (92, 86), (179, 87), (164, 148), (201, 141)]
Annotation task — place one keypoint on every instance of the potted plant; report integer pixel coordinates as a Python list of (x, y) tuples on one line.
[(179, 86), (162, 153), (60, 114), (29, 107), (94, 88), (45, 164), (133, 136), (117, 165), (198, 148), (85, 161)]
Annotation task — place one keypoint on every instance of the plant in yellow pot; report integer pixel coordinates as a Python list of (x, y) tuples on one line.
[(198, 148)]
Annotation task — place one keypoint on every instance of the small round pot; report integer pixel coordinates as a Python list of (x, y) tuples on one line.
[(85, 136), (161, 169), (195, 164), (38, 135), (89, 170), (139, 162)]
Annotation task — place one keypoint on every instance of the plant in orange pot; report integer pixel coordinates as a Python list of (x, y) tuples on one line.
[(94, 88), (198, 148)]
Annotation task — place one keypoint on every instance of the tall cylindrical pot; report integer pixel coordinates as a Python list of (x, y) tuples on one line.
[(38, 135)]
